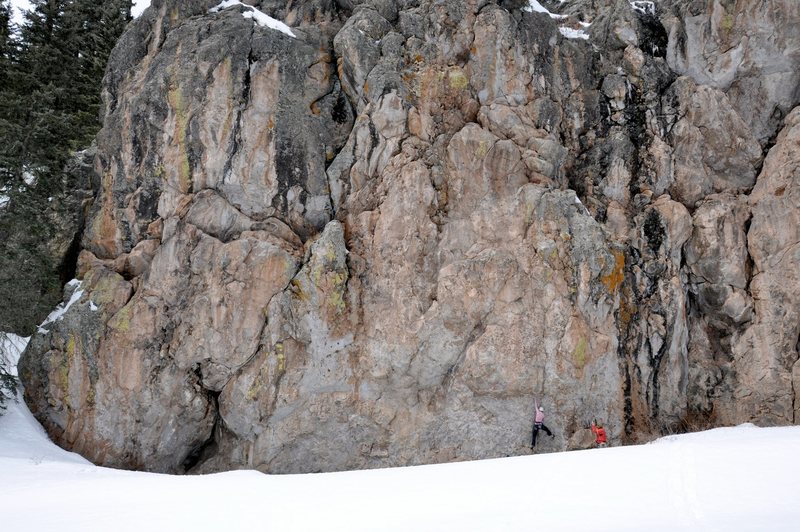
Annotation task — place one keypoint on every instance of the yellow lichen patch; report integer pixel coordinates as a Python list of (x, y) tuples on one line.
[(73, 348), (529, 211), (617, 275), (103, 291), (252, 392), (579, 356), (457, 79), (186, 178), (297, 290), (330, 254), (256, 386), (316, 275), (122, 319), (176, 101), (71, 344), (726, 24), (281, 357), (483, 149), (63, 380), (336, 296)]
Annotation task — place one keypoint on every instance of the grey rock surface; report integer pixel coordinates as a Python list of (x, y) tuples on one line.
[(378, 242)]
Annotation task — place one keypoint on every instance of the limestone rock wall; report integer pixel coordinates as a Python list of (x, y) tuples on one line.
[(376, 243)]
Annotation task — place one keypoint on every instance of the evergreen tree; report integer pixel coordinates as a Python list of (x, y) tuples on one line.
[(5, 33), (43, 81), (94, 28), (54, 77), (51, 71), (9, 99), (8, 382)]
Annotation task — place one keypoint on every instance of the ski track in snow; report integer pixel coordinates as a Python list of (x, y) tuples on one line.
[(682, 486)]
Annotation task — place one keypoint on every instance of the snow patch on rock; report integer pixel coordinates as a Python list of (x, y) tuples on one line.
[(572, 33), (260, 18), (536, 7), (62, 308), (645, 7)]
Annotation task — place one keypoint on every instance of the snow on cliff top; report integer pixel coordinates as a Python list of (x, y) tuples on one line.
[(645, 7), (742, 478), (262, 19), (62, 308), (570, 33)]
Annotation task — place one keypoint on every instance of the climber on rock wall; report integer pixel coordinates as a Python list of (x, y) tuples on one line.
[(538, 424), (600, 434)]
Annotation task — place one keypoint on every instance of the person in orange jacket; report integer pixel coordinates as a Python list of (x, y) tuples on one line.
[(599, 434)]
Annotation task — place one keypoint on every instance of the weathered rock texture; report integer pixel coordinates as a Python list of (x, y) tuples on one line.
[(376, 243)]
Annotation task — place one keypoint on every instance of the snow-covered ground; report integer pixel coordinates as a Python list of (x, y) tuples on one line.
[(743, 478)]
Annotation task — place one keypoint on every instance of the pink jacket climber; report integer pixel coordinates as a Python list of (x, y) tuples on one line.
[(538, 424)]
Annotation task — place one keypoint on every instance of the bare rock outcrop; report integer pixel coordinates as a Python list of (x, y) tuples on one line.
[(376, 242), (765, 354), (748, 50)]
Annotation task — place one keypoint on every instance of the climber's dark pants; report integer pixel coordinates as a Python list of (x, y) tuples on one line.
[(536, 427)]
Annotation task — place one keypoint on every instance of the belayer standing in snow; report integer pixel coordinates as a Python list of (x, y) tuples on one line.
[(599, 433), (538, 423)]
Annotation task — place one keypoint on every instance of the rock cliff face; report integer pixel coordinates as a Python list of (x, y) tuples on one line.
[(375, 241)]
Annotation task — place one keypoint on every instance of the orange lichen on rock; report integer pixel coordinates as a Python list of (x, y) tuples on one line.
[(617, 275)]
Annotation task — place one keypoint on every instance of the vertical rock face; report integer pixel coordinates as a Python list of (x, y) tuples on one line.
[(766, 352), (733, 46), (377, 241)]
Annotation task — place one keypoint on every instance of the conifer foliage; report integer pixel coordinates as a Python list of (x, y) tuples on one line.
[(54, 67), (51, 69)]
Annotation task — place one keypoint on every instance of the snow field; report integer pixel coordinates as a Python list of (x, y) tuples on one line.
[(742, 478)]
